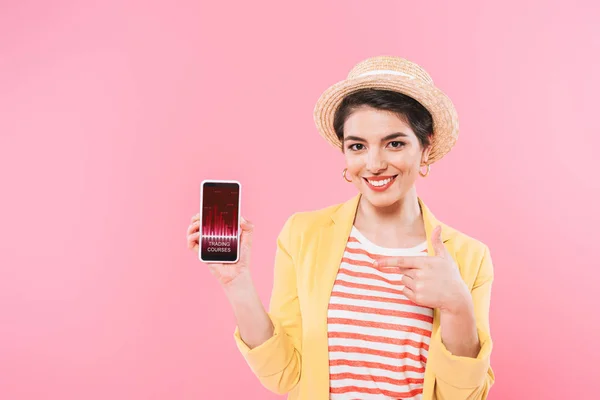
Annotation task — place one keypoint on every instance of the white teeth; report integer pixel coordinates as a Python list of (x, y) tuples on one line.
[(380, 183)]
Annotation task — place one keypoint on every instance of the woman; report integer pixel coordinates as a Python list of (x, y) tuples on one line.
[(372, 298)]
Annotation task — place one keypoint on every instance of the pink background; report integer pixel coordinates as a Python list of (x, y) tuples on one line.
[(111, 113)]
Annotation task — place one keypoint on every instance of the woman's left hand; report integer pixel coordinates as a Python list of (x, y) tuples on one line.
[(431, 281)]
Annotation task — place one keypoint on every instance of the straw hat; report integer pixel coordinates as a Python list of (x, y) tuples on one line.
[(401, 75)]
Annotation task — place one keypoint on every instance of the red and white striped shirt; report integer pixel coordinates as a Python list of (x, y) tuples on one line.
[(378, 339)]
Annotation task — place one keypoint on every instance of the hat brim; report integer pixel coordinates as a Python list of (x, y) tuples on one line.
[(443, 112)]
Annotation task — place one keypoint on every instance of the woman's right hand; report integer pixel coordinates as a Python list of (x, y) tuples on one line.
[(226, 274)]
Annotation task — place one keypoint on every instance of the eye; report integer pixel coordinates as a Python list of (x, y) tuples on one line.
[(356, 146), (397, 144)]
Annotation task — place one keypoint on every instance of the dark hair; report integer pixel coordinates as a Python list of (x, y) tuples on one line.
[(405, 107)]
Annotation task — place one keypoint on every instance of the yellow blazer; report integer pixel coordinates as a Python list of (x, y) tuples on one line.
[(309, 251)]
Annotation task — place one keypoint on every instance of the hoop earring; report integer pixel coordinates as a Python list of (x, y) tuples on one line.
[(344, 175), (426, 173)]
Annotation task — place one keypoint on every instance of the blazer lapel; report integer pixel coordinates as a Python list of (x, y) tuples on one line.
[(333, 237), (430, 223)]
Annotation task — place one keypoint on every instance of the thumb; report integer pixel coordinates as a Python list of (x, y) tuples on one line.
[(247, 231), (438, 245)]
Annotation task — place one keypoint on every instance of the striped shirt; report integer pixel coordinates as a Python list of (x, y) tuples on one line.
[(378, 339)]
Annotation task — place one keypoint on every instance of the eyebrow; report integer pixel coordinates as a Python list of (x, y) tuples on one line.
[(388, 137)]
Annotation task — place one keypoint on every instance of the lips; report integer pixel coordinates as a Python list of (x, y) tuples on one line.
[(380, 183)]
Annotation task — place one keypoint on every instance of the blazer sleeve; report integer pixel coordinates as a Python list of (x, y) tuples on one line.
[(466, 378), (277, 361)]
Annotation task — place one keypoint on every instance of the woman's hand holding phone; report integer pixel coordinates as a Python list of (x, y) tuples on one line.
[(227, 274)]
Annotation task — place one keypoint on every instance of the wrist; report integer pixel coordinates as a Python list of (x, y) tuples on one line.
[(241, 286), (459, 328), (461, 303)]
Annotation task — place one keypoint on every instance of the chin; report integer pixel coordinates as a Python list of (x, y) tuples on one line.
[(382, 200)]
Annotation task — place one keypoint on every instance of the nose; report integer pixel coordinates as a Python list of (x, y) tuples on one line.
[(376, 163)]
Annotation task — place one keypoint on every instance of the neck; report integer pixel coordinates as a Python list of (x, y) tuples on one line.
[(403, 213)]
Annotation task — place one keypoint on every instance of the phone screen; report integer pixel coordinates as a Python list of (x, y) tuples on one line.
[(220, 221)]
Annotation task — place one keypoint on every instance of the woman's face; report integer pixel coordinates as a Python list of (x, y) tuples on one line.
[(383, 155)]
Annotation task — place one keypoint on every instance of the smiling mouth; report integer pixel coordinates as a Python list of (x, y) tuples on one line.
[(380, 183)]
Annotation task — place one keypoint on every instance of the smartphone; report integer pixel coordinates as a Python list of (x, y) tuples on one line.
[(220, 202)]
